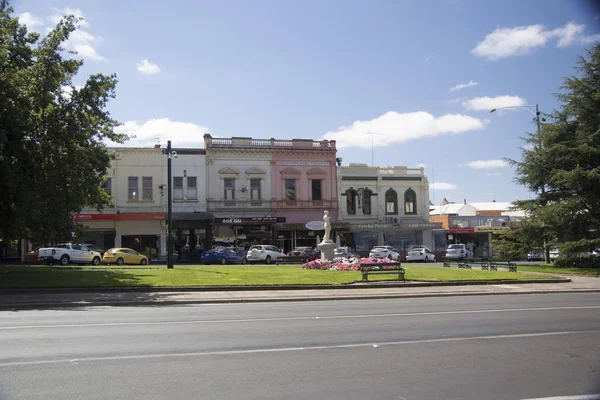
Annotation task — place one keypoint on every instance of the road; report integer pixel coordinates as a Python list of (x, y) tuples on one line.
[(472, 347)]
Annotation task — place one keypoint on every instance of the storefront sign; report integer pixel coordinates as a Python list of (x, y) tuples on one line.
[(492, 229), (421, 225), (250, 220), (375, 226), (119, 217), (462, 230), (303, 163), (315, 225)]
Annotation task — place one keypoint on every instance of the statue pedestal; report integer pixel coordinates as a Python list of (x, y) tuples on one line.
[(327, 249)]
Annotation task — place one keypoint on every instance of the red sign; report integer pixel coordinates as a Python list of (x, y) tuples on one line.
[(119, 217), (462, 230)]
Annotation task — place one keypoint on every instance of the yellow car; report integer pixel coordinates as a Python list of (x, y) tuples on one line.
[(122, 256)]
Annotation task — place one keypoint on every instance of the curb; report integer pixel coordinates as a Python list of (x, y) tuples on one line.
[(274, 287)]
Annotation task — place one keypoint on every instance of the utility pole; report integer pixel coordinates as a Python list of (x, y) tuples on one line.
[(169, 209)]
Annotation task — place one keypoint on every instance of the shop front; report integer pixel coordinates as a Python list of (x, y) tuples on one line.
[(245, 231), (192, 235)]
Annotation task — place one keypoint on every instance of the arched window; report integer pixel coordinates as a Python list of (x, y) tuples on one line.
[(351, 196), (366, 202), (391, 202), (410, 202)]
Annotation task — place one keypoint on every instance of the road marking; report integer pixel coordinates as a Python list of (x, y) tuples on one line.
[(311, 317), (289, 349), (581, 397)]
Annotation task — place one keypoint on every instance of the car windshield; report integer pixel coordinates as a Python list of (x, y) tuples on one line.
[(455, 246), (418, 249)]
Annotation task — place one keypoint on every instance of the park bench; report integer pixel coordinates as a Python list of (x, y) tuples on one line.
[(494, 264), (291, 260), (381, 268), (460, 263)]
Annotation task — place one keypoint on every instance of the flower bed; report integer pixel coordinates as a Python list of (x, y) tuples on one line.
[(344, 264)]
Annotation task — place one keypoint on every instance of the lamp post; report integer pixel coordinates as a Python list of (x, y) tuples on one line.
[(537, 113), (170, 154)]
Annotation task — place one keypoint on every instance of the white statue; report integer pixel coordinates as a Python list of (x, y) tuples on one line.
[(327, 226)]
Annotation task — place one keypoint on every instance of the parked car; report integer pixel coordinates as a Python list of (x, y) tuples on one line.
[(223, 256), (384, 252), (66, 253), (536, 255), (123, 255), (420, 254), (95, 248), (263, 253), (458, 250), (345, 252), (309, 253)]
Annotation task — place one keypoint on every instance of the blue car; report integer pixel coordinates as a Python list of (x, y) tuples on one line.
[(223, 256)]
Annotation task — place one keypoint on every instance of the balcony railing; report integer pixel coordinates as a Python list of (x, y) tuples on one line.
[(267, 205), (304, 204), (269, 143)]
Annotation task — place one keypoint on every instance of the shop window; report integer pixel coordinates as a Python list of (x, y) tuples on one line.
[(351, 196), (290, 189), (391, 202), (316, 189), (132, 188), (255, 189), (147, 188), (366, 202), (410, 202), (229, 184), (192, 190), (107, 186), (178, 188)]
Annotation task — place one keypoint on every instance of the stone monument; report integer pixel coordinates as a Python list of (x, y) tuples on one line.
[(327, 246)]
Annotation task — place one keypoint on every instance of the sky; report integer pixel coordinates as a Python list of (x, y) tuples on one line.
[(393, 82)]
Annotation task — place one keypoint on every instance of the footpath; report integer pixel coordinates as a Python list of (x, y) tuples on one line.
[(44, 299)]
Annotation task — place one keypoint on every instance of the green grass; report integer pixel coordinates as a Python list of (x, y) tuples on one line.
[(551, 269), (159, 276)]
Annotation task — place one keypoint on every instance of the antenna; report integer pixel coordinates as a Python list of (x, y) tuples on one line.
[(372, 153)]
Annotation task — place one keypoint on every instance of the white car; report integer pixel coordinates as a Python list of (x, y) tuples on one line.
[(385, 252), (264, 254), (66, 253), (420, 254), (458, 250)]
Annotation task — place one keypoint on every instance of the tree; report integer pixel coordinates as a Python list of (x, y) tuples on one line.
[(52, 159), (563, 165)]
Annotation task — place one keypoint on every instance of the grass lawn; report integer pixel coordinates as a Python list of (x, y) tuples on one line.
[(24, 276), (549, 268)]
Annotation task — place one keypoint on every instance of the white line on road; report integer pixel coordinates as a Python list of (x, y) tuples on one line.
[(581, 397), (216, 321), (288, 349)]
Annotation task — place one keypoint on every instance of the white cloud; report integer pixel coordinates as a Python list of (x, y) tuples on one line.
[(60, 13), (486, 164), (489, 103), (454, 101), (81, 41), (147, 68), (442, 186), (31, 21), (393, 128), (421, 165), (464, 85), (181, 134), (67, 90), (508, 42)]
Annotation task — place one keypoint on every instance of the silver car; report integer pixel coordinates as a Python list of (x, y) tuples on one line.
[(385, 252), (264, 254)]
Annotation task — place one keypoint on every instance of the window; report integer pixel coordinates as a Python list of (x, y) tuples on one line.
[(255, 189), (147, 188), (290, 189), (229, 193), (107, 186), (132, 186), (391, 202), (316, 189), (351, 195), (178, 188), (366, 202), (192, 190), (410, 202)]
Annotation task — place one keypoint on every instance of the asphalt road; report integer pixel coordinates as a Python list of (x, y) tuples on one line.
[(475, 347)]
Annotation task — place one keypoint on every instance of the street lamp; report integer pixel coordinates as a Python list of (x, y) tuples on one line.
[(170, 155)]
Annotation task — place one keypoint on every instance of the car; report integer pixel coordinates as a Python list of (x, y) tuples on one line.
[(384, 252), (536, 255), (309, 253), (420, 254), (263, 253), (223, 256), (345, 252), (93, 247), (66, 253), (458, 250), (123, 255)]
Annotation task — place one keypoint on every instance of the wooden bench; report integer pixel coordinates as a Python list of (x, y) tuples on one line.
[(291, 260), (381, 268)]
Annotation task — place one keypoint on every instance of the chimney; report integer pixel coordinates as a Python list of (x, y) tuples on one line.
[(157, 146)]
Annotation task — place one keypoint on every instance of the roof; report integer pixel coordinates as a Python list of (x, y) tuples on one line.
[(445, 209), (492, 206)]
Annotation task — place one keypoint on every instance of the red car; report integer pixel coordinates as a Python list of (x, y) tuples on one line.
[(309, 253)]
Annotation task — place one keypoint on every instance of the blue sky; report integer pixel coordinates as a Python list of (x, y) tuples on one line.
[(422, 75)]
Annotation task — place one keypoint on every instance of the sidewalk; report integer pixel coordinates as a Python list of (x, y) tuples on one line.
[(39, 299)]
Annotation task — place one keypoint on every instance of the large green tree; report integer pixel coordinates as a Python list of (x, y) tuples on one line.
[(562, 165), (52, 159)]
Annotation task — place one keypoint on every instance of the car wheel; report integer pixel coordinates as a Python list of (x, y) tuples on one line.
[(119, 261), (64, 260), (268, 260), (143, 262), (244, 261), (223, 261), (96, 261)]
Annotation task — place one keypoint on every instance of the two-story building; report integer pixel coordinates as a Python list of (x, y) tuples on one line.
[(384, 206)]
